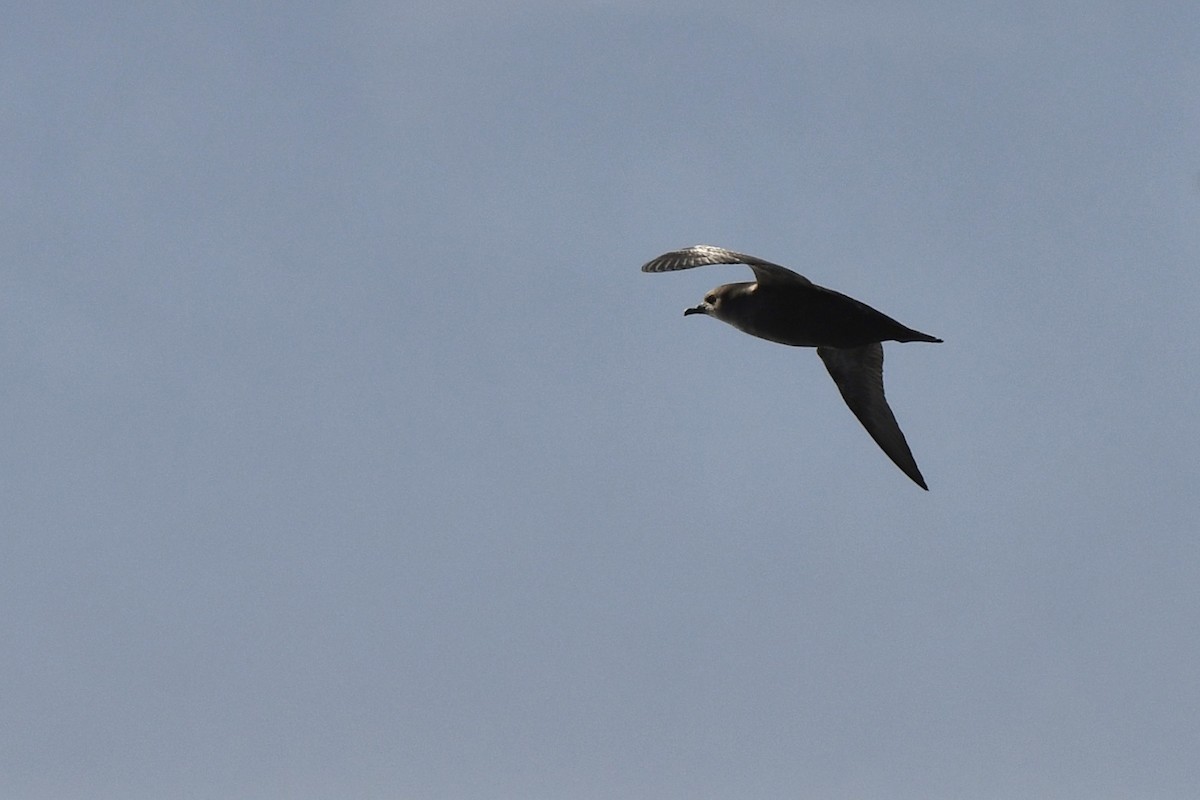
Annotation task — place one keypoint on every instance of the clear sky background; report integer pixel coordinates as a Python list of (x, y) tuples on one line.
[(347, 452)]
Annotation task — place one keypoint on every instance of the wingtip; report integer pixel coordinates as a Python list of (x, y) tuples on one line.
[(915, 474), (696, 255), (916, 477)]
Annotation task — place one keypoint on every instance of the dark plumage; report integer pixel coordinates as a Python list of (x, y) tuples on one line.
[(782, 306)]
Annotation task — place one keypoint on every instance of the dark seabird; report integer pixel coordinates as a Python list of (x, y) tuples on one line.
[(788, 308)]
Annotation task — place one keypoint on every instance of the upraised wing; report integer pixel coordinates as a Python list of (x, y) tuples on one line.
[(858, 373), (701, 255)]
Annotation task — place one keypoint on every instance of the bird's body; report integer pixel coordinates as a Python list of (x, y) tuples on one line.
[(807, 316), (785, 307)]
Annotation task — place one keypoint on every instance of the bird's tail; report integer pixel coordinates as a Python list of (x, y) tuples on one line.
[(916, 336)]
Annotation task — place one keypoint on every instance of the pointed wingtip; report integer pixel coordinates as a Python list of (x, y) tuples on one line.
[(696, 255), (915, 475), (915, 472)]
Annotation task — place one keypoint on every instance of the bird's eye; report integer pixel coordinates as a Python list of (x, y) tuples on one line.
[(710, 299)]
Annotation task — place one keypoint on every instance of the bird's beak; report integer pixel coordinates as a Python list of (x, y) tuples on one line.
[(700, 309)]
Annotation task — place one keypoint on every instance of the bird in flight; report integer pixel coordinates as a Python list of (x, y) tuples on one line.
[(782, 306)]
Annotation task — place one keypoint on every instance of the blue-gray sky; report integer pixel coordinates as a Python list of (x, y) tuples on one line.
[(347, 453)]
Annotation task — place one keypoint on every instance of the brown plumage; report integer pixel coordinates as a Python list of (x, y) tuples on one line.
[(782, 306)]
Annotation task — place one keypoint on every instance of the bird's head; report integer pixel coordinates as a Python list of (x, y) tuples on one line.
[(722, 301)]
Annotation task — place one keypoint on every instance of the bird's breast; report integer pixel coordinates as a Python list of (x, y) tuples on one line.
[(776, 319)]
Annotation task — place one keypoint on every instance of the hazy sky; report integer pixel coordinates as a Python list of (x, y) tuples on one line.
[(347, 452)]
